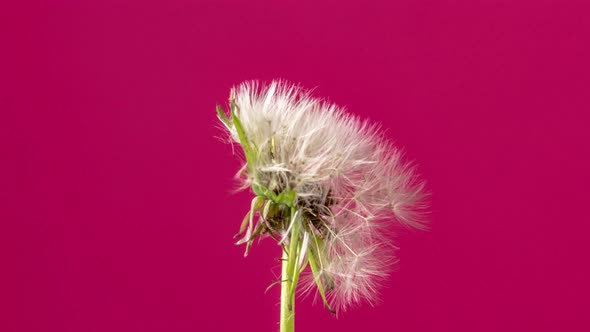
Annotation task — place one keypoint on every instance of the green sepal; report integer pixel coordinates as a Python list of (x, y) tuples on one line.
[(256, 204), (287, 197), (223, 117), (315, 269), (264, 192), (244, 224), (243, 139)]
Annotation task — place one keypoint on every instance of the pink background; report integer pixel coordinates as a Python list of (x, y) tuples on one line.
[(115, 205)]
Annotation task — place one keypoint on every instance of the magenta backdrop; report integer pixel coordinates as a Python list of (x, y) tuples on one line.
[(116, 208)]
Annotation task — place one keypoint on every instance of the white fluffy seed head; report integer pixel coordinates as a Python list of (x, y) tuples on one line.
[(338, 166)]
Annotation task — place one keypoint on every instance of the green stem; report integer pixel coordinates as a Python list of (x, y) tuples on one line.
[(290, 274), (287, 306)]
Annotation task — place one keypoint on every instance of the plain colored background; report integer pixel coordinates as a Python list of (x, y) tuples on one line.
[(116, 208)]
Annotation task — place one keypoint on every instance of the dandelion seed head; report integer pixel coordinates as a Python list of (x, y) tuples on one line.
[(349, 183)]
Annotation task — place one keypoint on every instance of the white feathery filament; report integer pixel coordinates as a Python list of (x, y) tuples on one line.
[(342, 178)]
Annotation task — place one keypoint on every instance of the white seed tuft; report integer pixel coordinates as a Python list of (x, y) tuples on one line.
[(348, 179)]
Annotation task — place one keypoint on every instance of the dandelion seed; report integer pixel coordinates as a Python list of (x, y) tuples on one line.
[(326, 185)]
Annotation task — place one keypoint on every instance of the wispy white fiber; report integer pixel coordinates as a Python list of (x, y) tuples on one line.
[(350, 184)]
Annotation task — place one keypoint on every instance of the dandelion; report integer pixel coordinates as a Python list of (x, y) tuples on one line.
[(326, 186)]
